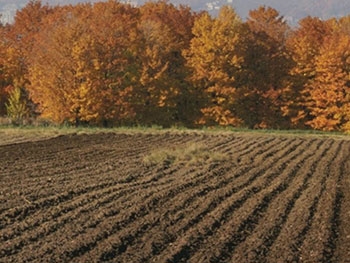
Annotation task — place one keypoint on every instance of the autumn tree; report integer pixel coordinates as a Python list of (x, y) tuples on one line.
[(3, 82), (81, 70), (17, 40), (116, 66), (53, 67), (327, 94), (342, 25), (266, 69), (164, 94), (215, 57), (21, 38), (304, 44), (9, 72), (109, 63)]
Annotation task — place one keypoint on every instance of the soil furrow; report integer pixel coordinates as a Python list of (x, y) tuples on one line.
[(67, 210), (259, 243), (342, 244), (266, 186), (159, 248), (90, 198), (249, 224), (297, 225), (318, 244), (153, 200), (194, 195), (85, 188), (222, 211)]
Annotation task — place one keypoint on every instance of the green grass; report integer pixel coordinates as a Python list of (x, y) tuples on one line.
[(293, 132), (11, 133)]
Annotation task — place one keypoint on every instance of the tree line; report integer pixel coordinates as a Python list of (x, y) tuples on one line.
[(110, 63)]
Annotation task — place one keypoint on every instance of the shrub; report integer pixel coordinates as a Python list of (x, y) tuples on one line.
[(17, 109)]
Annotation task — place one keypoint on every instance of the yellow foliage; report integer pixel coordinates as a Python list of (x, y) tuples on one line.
[(215, 55)]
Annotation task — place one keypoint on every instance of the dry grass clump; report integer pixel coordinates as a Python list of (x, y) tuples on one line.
[(190, 154)]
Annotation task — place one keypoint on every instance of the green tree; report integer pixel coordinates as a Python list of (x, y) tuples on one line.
[(17, 106)]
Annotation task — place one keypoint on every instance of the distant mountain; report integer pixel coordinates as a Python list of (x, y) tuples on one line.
[(292, 10)]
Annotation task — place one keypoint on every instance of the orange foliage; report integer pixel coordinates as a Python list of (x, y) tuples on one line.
[(109, 63), (80, 69), (165, 31), (266, 70), (304, 45), (328, 93)]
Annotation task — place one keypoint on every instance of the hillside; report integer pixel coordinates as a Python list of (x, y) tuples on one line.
[(293, 10)]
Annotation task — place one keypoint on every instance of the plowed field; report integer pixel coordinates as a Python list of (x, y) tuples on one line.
[(91, 198)]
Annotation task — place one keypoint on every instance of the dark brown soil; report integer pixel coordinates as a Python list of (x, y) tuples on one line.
[(90, 198)]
